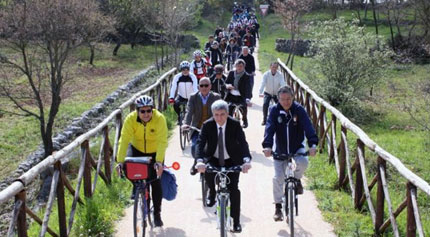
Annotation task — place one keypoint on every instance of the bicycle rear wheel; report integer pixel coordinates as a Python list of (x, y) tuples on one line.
[(139, 223), (204, 188), (182, 138), (223, 216), (291, 206), (237, 114)]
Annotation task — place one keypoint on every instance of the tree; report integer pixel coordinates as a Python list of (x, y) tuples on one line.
[(290, 12), (348, 61), (174, 16), (39, 36)]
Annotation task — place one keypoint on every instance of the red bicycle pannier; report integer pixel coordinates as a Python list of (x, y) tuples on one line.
[(136, 168)]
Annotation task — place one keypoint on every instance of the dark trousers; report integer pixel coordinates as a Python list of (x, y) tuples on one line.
[(232, 101), (233, 188), (251, 82), (156, 191), (267, 98), (177, 105), (194, 137)]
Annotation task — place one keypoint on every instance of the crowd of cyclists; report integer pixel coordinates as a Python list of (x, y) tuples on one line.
[(219, 77)]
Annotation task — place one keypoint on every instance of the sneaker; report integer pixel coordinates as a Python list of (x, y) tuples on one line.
[(263, 123), (210, 202), (278, 213), (299, 187), (157, 220)]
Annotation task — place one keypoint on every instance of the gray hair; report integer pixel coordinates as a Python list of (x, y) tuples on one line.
[(240, 61), (274, 63), (205, 79), (285, 90), (245, 47), (219, 105)]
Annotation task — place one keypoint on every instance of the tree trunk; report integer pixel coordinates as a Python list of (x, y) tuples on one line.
[(156, 55), (115, 50), (162, 56), (375, 20), (391, 30), (92, 53)]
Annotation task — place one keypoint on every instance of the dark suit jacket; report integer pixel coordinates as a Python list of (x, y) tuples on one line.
[(195, 107), (235, 141), (244, 84)]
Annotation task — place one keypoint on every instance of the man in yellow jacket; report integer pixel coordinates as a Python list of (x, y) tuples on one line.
[(144, 133)]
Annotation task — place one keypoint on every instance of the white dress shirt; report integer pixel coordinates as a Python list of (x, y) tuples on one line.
[(226, 156)]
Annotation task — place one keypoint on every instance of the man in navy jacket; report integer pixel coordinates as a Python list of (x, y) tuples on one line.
[(290, 123)]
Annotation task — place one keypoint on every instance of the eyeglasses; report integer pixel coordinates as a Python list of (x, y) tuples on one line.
[(145, 111), (204, 85)]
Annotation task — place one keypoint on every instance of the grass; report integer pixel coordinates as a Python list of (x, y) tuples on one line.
[(90, 84), (392, 129), (100, 212)]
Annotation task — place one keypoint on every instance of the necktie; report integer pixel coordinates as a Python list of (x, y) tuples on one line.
[(220, 148)]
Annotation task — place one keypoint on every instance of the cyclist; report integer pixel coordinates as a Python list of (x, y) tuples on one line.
[(198, 111), (232, 51), (223, 141), (216, 55), (198, 65), (239, 89), (289, 121), (185, 83), (272, 81), (250, 65), (218, 80), (144, 133), (208, 44), (249, 41)]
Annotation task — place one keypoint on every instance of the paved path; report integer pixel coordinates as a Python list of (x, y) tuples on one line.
[(185, 216)]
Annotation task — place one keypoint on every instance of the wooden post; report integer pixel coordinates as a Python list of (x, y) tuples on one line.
[(87, 169), (332, 138), (358, 177), (60, 202), (159, 98), (21, 223), (342, 157), (411, 227), (132, 107), (308, 104), (380, 197), (107, 152), (314, 115), (321, 135)]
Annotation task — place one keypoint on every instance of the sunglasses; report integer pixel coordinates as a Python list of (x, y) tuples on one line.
[(204, 85), (145, 111)]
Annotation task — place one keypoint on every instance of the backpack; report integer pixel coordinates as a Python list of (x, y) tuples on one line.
[(168, 185)]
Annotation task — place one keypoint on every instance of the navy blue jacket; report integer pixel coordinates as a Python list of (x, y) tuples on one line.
[(290, 128)]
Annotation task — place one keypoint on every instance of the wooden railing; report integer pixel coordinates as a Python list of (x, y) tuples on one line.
[(159, 91), (359, 186)]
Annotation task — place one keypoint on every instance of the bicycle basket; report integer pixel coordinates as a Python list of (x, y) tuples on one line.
[(136, 168)]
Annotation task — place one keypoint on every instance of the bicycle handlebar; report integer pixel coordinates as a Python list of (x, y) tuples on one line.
[(233, 169), (288, 156)]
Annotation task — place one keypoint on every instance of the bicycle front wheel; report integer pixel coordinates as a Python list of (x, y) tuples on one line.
[(223, 216), (291, 206), (139, 223), (182, 138)]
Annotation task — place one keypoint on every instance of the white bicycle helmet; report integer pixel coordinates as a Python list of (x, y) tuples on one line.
[(197, 53), (143, 101), (184, 64)]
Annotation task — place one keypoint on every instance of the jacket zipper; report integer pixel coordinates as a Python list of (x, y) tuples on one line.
[(144, 137), (288, 133)]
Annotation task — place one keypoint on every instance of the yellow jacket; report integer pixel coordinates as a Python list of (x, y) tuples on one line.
[(147, 138)]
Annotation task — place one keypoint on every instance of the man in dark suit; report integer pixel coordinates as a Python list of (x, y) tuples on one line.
[(223, 141), (198, 111), (238, 84)]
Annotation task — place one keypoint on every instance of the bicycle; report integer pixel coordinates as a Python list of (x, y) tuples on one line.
[(290, 199), (224, 221), (231, 58), (136, 170), (183, 134), (237, 111), (204, 185)]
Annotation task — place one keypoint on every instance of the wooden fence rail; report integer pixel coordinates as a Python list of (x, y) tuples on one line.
[(103, 167), (359, 187)]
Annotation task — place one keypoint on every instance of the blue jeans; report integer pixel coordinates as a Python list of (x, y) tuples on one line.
[(194, 138)]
